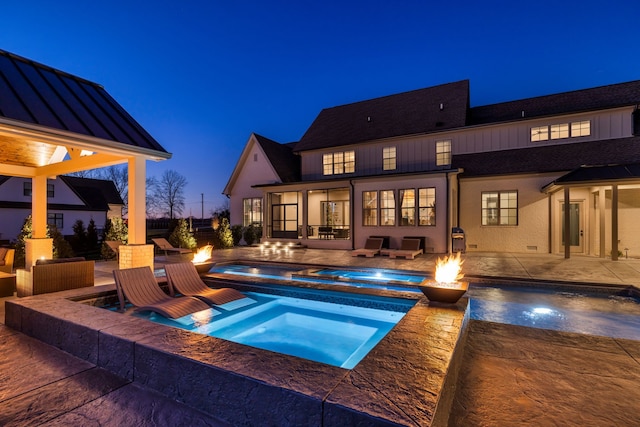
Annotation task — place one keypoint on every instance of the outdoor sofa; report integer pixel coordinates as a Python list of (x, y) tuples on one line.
[(53, 275), (6, 259)]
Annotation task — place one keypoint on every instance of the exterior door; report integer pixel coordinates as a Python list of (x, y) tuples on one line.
[(576, 226), (284, 221)]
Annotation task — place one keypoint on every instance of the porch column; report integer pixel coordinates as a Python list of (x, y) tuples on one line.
[(614, 222), (567, 223), (305, 213), (39, 246), (137, 253), (602, 210)]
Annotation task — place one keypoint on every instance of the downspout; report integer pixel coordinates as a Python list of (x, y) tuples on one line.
[(448, 225), (353, 228)]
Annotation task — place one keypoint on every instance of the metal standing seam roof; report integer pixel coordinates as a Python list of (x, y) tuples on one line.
[(38, 94)]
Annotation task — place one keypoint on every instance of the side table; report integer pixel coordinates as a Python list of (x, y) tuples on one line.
[(7, 284)]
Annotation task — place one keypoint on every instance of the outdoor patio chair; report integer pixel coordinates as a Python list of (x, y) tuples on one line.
[(167, 247), (114, 245), (371, 248), (184, 278), (140, 287), (409, 248)]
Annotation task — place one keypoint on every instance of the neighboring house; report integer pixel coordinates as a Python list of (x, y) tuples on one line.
[(68, 200), (421, 162)]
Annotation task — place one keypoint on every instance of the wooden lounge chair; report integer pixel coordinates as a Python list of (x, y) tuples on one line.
[(409, 248), (114, 245), (371, 248), (184, 278), (167, 247), (139, 286)]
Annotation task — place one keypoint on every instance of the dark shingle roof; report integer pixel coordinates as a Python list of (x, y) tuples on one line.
[(281, 156), (38, 94), (95, 193), (406, 113), (601, 173), (611, 96), (549, 158)]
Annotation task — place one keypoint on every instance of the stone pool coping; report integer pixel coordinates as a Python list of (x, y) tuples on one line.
[(408, 379)]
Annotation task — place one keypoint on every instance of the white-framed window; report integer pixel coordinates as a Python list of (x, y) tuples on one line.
[(339, 163), (560, 131), (539, 133), (582, 128), (387, 207), (500, 208), (27, 189), (370, 208), (252, 211), (56, 219), (443, 152), (407, 206), (427, 206), (389, 158)]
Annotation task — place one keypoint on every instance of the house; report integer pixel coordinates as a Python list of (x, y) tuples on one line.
[(53, 123), (69, 199), (551, 174)]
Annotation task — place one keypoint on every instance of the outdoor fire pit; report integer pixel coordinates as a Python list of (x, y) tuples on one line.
[(447, 286), (202, 259)]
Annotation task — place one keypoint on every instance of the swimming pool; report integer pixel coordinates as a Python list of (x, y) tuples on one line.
[(335, 334), (571, 310)]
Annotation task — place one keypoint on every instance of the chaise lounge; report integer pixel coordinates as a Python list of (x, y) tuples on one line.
[(6, 260), (184, 278), (139, 286), (371, 248), (167, 247), (409, 249)]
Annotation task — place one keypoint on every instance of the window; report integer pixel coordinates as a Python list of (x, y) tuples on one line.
[(540, 133), (339, 163), (500, 208), (426, 206), (582, 128), (387, 208), (389, 158), (560, 131), (252, 212), (407, 206), (27, 189), (369, 208), (56, 219), (443, 153)]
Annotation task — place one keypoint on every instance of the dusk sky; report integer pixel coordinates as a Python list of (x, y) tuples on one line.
[(201, 76)]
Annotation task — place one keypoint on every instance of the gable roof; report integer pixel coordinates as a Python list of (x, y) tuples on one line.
[(38, 94), (610, 96), (407, 113), (282, 158), (549, 158), (95, 193)]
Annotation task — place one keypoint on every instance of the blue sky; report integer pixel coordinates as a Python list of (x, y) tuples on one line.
[(202, 75)]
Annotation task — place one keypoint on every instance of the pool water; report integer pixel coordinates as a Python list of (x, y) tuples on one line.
[(335, 334), (371, 275), (572, 311)]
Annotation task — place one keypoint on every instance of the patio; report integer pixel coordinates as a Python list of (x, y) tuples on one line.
[(566, 361)]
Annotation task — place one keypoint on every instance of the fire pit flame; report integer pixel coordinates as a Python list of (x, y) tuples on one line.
[(449, 269), (203, 254)]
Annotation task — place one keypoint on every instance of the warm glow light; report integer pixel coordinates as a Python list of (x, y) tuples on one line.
[(203, 254), (449, 269)]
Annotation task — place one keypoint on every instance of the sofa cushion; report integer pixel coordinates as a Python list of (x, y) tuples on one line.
[(58, 260), (3, 253)]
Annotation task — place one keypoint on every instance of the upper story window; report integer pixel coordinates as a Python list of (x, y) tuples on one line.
[(27, 189), (561, 130), (500, 208), (389, 158), (339, 163), (443, 152)]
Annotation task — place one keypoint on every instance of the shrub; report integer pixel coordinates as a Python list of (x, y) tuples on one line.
[(236, 232), (181, 237), (250, 235), (114, 229), (223, 234)]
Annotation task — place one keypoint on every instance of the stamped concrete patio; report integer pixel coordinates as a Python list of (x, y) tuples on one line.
[(510, 375)]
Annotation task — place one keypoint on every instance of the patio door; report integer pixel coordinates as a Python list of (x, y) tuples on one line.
[(576, 226), (284, 221)]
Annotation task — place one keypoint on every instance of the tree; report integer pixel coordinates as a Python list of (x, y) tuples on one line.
[(169, 193), (181, 237)]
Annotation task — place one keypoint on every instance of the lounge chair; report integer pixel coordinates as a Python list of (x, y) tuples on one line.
[(167, 247), (184, 278), (114, 245), (371, 248), (139, 286), (409, 248)]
